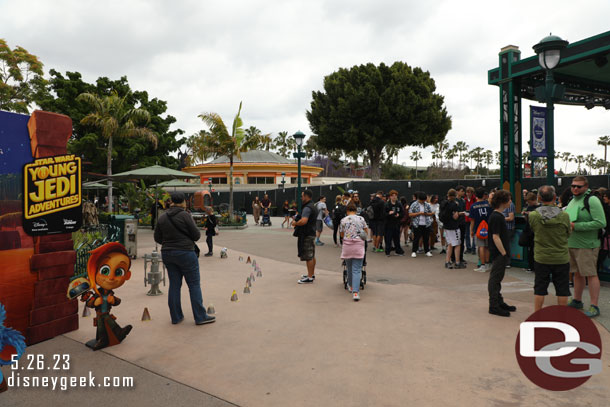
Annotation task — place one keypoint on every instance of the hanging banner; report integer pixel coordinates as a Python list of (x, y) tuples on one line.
[(538, 131), (52, 195)]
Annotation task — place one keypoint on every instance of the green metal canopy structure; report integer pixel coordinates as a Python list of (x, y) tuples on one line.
[(583, 75)]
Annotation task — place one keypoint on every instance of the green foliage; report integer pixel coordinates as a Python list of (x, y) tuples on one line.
[(61, 95), (394, 171), (368, 107), (20, 78)]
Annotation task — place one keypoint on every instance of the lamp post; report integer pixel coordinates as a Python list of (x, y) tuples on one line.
[(549, 54), (283, 182), (298, 137)]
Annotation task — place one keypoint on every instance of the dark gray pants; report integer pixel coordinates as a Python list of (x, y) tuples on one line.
[(498, 267)]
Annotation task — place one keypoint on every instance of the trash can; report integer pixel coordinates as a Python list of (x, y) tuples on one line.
[(518, 254), (119, 221), (131, 237)]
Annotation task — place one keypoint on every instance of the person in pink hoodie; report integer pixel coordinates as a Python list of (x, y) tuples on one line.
[(353, 230)]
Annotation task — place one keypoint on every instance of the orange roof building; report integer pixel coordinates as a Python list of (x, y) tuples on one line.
[(254, 167)]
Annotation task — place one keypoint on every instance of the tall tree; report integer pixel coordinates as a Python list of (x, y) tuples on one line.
[(60, 96), (461, 148), (590, 160), (489, 158), (580, 159), (477, 155), (566, 157), (116, 120), (281, 143), (20, 78), (450, 154), (220, 142), (439, 151), (604, 141), (368, 107), (416, 156)]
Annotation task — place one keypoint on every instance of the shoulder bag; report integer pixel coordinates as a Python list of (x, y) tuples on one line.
[(197, 250)]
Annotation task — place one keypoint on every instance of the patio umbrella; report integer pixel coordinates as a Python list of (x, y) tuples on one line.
[(95, 185), (175, 183)]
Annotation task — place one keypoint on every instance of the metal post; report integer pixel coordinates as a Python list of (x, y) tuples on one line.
[(299, 180), (550, 136)]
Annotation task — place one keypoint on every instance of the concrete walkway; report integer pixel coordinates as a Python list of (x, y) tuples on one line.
[(421, 336)]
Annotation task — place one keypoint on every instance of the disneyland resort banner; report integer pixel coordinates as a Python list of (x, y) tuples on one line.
[(52, 195)]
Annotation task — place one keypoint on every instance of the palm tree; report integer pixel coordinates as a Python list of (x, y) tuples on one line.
[(221, 142), (281, 143), (590, 161), (461, 148), (489, 157), (604, 141), (566, 157), (579, 160), (439, 151), (116, 119), (477, 154), (416, 156), (450, 154)]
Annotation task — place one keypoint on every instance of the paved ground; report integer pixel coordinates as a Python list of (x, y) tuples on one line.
[(420, 336)]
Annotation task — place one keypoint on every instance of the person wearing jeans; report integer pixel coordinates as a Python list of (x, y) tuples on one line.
[(353, 230), (394, 211), (177, 233), (421, 214)]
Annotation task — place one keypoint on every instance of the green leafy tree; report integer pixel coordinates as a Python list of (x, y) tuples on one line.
[(116, 119), (60, 96), (218, 141), (368, 107), (21, 77), (281, 143)]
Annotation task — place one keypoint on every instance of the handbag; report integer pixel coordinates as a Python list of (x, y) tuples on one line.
[(216, 230), (197, 250)]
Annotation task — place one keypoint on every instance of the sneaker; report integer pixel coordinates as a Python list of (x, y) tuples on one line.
[(401, 254), (593, 311), (510, 308), (208, 254), (508, 266), (420, 251), (443, 251), (428, 254), (529, 271), (380, 251), (499, 311), (387, 255), (306, 276), (349, 289), (413, 254), (356, 297), (449, 265), (481, 269), (575, 304), (305, 280), (461, 265), (319, 243), (207, 320)]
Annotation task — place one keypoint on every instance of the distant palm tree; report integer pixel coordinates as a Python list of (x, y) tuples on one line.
[(281, 143), (220, 142), (450, 154), (566, 157), (461, 147), (116, 119), (590, 160), (489, 157), (416, 156), (579, 160), (604, 141)]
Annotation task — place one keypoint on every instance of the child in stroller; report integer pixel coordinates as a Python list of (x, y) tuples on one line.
[(266, 221)]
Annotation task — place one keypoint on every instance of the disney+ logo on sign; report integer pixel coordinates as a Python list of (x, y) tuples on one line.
[(559, 348)]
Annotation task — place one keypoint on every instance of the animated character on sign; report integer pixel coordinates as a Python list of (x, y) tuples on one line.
[(11, 343), (108, 269)]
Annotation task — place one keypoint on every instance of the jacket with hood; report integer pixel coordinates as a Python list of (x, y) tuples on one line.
[(171, 239), (587, 223), (551, 227)]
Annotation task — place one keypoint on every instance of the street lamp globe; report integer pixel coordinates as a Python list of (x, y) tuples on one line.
[(298, 137), (549, 51)]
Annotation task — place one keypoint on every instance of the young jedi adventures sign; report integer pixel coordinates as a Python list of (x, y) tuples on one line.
[(52, 195)]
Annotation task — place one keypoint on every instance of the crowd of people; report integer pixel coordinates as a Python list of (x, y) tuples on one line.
[(565, 236)]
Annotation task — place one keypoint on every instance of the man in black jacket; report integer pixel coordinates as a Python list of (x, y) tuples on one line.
[(377, 222), (177, 233), (305, 230), (394, 212)]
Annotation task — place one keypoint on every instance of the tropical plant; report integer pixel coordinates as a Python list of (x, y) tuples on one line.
[(476, 154), (579, 161), (220, 142), (590, 161), (116, 119), (416, 156), (20, 78), (281, 144), (450, 154), (604, 141), (489, 157), (566, 157), (461, 148), (439, 151)]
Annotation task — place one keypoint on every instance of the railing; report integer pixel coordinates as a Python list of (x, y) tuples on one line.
[(90, 238)]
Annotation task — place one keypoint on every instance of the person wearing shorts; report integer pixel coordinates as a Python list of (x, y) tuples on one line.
[(322, 212), (587, 219), (306, 234), (551, 228), (480, 211), (449, 217)]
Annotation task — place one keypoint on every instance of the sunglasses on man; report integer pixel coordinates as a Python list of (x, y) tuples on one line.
[(577, 186)]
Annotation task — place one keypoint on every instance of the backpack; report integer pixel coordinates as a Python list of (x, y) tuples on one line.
[(444, 215), (483, 230), (370, 212)]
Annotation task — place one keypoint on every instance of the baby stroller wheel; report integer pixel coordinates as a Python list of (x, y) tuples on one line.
[(344, 275)]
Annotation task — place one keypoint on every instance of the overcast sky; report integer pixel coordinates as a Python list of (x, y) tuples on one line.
[(207, 56)]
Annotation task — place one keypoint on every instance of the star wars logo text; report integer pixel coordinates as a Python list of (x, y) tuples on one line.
[(52, 184)]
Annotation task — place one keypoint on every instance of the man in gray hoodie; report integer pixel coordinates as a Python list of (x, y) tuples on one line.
[(551, 227)]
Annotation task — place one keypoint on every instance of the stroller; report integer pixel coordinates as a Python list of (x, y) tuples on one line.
[(362, 276), (266, 220)]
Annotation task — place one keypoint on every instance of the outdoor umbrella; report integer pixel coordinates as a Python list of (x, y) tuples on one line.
[(175, 183), (95, 185)]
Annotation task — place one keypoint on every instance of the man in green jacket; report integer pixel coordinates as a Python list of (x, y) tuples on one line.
[(551, 227), (587, 219)]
